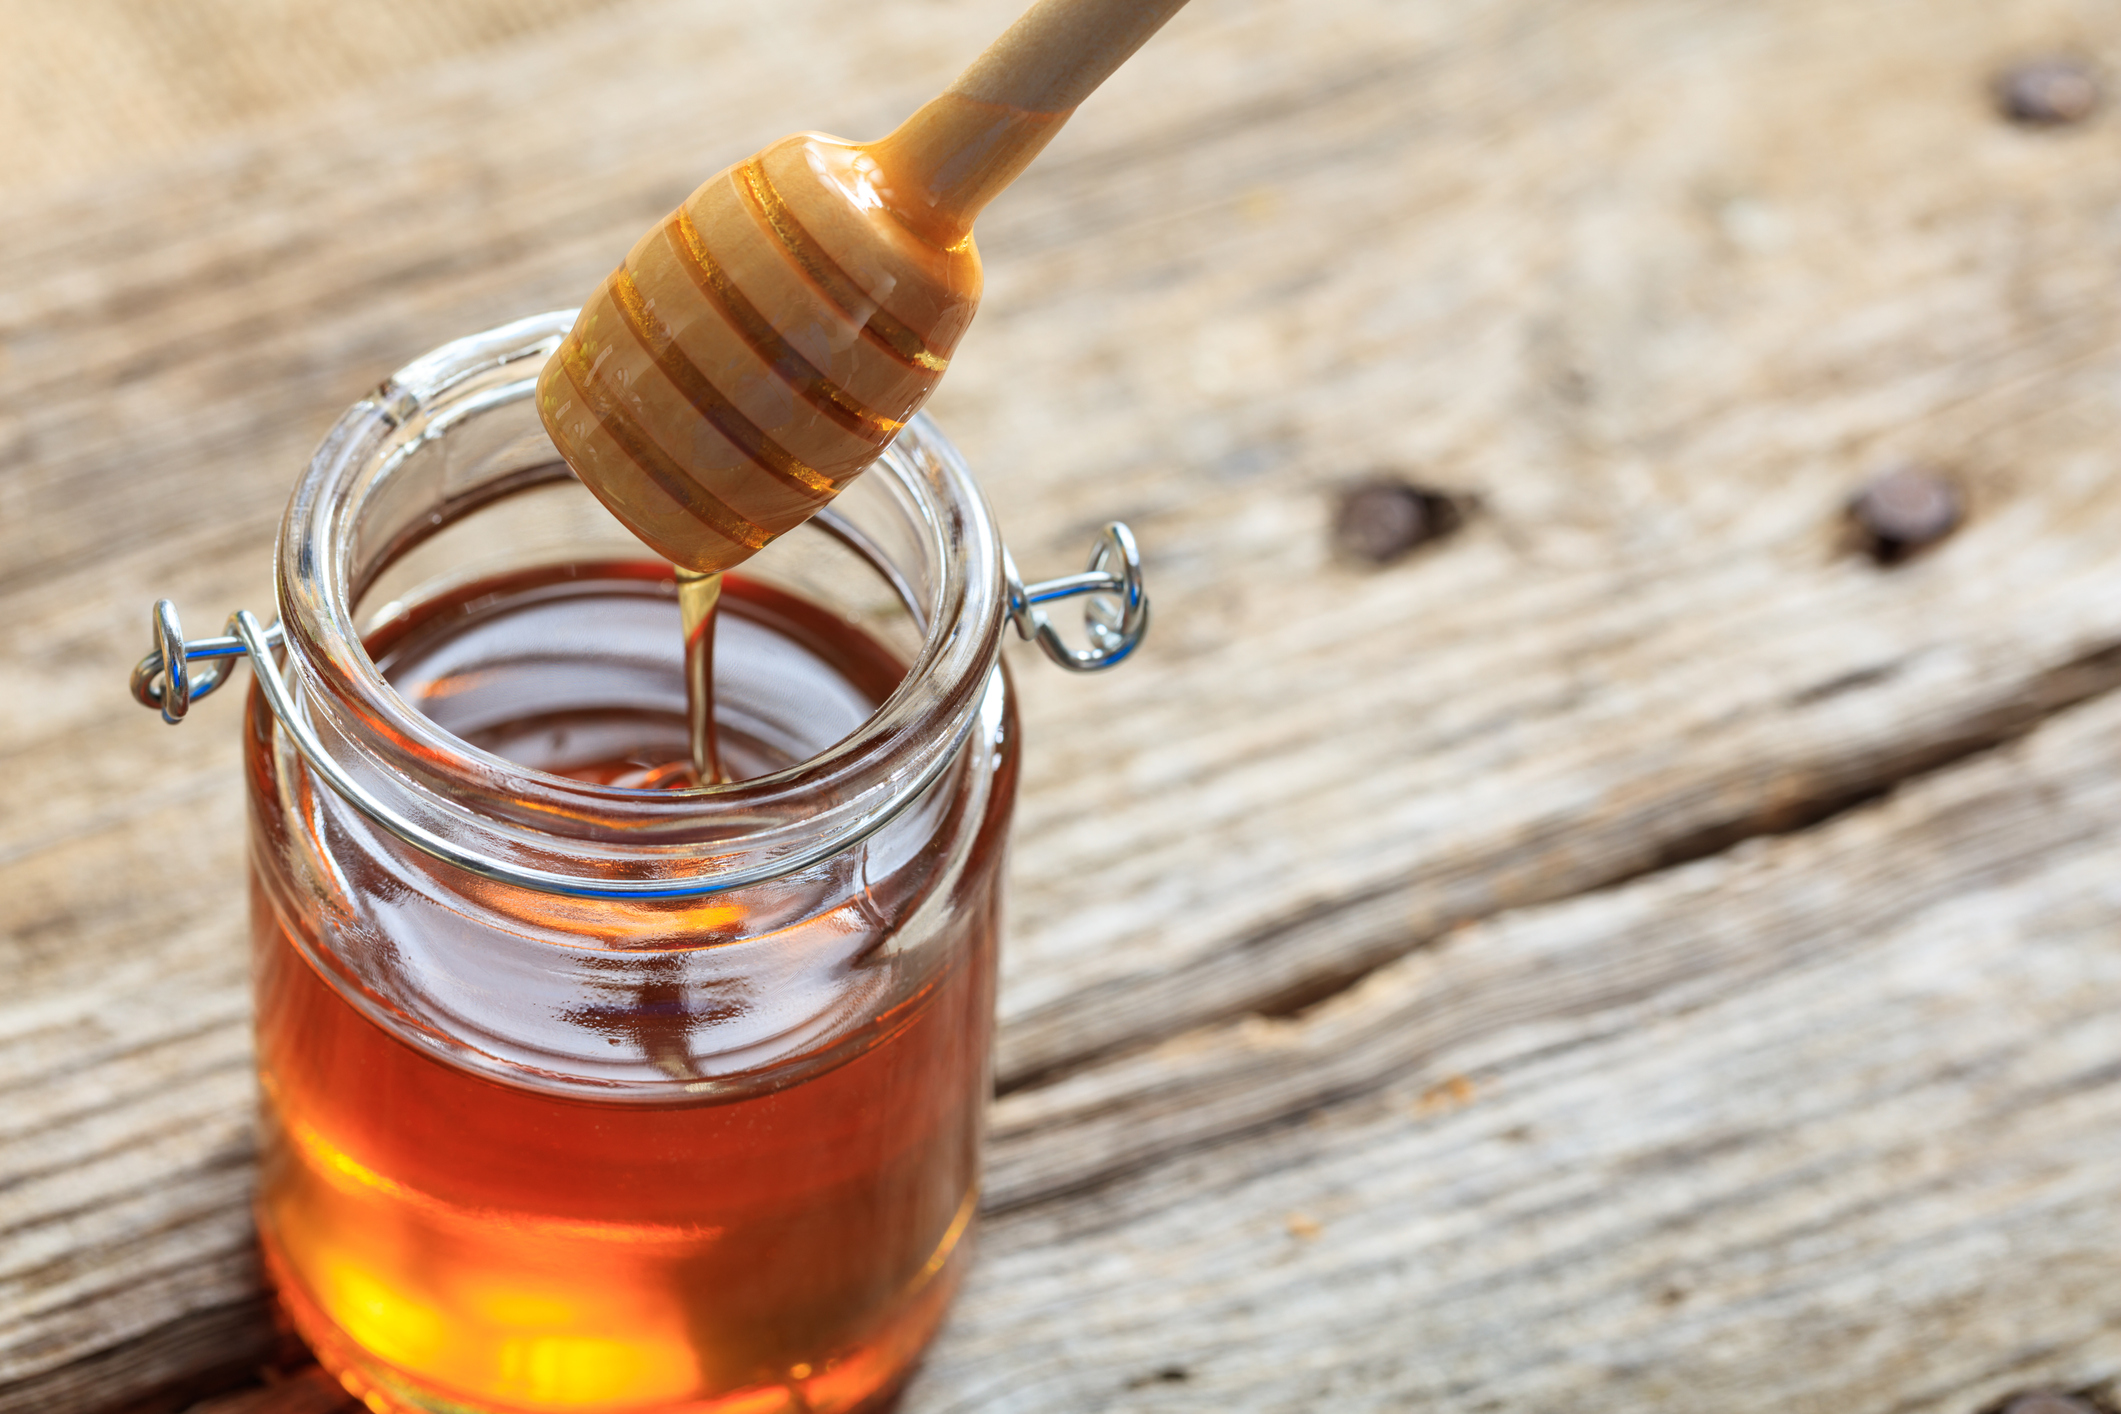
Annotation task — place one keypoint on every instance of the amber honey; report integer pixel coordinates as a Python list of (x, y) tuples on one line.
[(757, 1197)]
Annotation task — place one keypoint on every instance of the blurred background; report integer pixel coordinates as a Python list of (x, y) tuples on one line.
[(95, 85)]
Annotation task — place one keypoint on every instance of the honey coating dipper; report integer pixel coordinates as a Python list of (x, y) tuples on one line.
[(761, 345)]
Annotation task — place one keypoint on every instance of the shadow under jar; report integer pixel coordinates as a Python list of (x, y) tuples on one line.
[(691, 1120)]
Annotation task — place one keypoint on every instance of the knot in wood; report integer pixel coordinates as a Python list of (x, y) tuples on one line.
[(2047, 1401), (1905, 510), (2049, 92), (1382, 518)]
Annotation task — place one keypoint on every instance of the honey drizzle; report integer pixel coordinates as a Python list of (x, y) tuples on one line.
[(698, 594)]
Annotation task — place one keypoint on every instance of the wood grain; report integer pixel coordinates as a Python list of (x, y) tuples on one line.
[(1651, 285), (96, 87), (1829, 1122)]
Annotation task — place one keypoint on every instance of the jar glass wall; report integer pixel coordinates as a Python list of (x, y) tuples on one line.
[(697, 1126)]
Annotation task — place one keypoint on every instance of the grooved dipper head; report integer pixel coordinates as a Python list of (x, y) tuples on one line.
[(755, 351), (764, 343)]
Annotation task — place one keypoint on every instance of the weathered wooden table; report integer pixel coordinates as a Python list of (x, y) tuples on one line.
[(1634, 954)]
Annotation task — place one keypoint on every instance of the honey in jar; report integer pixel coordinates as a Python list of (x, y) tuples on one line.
[(587, 1086)]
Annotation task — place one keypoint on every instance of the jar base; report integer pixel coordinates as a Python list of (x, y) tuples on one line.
[(865, 1378)]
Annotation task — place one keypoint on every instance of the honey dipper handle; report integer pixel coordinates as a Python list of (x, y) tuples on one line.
[(1057, 54), (949, 159)]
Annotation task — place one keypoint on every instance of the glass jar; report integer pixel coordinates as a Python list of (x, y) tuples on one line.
[(580, 1093)]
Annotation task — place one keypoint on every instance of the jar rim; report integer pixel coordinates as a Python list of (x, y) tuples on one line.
[(522, 826)]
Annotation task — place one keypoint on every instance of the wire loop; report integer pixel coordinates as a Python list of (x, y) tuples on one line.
[(1115, 619), (164, 680)]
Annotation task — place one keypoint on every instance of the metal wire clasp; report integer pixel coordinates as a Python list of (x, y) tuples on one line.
[(1117, 617), (163, 679)]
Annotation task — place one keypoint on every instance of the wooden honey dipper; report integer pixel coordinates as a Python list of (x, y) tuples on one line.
[(762, 345)]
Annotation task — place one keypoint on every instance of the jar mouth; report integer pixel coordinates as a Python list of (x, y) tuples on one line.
[(455, 433)]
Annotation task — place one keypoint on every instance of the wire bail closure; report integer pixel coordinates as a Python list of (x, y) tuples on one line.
[(1115, 629), (163, 680)]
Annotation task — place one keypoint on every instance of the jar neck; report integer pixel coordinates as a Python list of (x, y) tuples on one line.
[(454, 436)]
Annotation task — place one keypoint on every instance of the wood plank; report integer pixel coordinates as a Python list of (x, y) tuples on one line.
[(1830, 1122), (1653, 283), (1739, 921)]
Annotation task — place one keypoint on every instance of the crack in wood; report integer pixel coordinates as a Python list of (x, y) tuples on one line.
[(1809, 801)]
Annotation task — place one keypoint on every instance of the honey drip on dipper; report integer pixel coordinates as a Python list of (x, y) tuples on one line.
[(762, 344)]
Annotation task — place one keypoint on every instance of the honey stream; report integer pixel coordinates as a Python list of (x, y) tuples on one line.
[(698, 595)]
